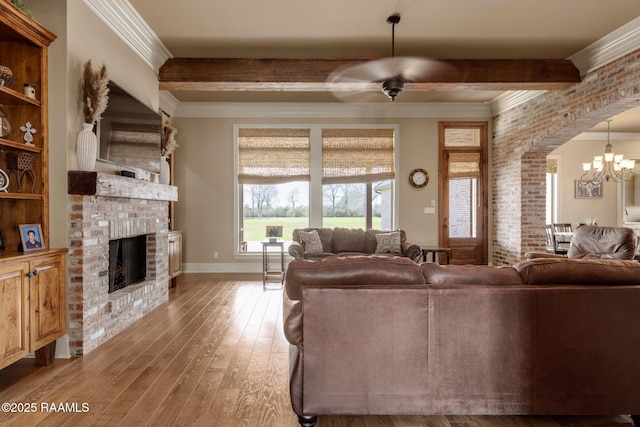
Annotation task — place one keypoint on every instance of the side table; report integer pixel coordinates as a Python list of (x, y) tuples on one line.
[(272, 270), (435, 250)]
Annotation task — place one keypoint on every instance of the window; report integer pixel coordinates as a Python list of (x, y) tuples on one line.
[(349, 182), (354, 162)]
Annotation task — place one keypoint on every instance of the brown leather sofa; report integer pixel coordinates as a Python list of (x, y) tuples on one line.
[(387, 336), (595, 241), (349, 241)]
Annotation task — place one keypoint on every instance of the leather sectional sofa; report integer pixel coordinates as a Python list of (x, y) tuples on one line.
[(387, 336)]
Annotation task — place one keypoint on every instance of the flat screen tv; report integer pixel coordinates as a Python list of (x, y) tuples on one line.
[(129, 132)]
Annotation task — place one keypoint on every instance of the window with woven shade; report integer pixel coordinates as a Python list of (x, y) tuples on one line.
[(357, 155), (273, 156)]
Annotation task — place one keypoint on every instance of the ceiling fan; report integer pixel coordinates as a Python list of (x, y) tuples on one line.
[(388, 74)]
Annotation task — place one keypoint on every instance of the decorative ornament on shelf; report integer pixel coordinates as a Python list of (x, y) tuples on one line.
[(4, 181), (6, 76), (95, 95), (5, 125), (28, 133)]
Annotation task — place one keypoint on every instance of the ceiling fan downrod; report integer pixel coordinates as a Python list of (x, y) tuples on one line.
[(394, 85)]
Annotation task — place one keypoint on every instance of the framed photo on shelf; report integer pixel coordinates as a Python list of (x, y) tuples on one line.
[(31, 237), (588, 190)]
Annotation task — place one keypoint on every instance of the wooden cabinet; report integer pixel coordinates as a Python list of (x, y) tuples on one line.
[(23, 49), (175, 255), (32, 284), (32, 305)]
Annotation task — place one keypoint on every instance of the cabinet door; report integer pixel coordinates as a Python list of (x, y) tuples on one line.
[(48, 300), (14, 320), (175, 254)]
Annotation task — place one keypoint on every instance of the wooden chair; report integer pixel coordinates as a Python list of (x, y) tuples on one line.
[(552, 244), (562, 242)]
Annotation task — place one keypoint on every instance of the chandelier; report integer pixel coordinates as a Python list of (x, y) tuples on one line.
[(610, 167)]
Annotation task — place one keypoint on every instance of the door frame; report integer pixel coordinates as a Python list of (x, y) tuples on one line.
[(483, 182)]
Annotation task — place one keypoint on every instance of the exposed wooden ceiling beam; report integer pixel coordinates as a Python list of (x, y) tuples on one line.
[(310, 75)]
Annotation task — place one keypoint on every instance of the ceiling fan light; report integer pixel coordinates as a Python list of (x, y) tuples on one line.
[(392, 87)]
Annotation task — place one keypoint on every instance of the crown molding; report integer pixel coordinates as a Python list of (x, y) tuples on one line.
[(127, 23), (168, 102), (512, 99), (614, 45), (333, 110)]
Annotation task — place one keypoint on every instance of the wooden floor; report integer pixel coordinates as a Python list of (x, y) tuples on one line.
[(214, 355)]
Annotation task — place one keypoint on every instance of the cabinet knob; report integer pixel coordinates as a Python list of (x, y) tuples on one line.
[(32, 273)]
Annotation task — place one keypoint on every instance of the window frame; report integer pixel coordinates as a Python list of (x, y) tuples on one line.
[(315, 181)]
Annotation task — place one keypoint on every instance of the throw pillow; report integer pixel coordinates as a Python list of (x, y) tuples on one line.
[(388, 243), (310, 241)]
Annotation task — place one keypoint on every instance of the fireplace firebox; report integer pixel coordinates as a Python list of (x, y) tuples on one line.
[(127, 262)]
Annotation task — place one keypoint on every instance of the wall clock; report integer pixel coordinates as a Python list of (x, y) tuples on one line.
[(4, 181), (419, 178)]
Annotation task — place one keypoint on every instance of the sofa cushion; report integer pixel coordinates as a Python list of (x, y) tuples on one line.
[(349, 240), (310, 241), (469, 275), (326, 237), (388, 243), (558, 271), (367, 270), (371, 241)]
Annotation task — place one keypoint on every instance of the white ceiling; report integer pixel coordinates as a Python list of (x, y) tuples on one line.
[(447, 29)]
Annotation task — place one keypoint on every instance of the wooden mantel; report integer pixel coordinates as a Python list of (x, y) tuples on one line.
[(108, 185)]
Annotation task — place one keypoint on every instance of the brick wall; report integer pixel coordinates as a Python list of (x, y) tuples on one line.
[(525, 134), (95, 315)]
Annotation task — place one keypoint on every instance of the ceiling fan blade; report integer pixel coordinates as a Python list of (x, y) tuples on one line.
[(368, 76), (411, 69)]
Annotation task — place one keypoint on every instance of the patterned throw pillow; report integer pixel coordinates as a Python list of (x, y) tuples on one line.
[(310, 241), (388, 243)]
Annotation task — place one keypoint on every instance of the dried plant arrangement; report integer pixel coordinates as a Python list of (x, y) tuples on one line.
[(95, 92), (169, 132)]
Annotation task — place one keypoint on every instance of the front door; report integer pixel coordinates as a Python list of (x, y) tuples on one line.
[(463, 191)]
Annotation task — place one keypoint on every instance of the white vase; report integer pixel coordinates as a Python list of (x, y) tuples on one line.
[(86, 148), (165, 171)]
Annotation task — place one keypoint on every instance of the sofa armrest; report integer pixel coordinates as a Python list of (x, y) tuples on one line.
[(296, 250), (533, 255), (410, 250)]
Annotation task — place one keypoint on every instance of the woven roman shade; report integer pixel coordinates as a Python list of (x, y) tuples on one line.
[(462, 137), (273, 156), (357, 155), (464, 165)]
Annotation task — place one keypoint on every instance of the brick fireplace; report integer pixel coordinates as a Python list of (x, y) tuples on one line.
[(104, 207)]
